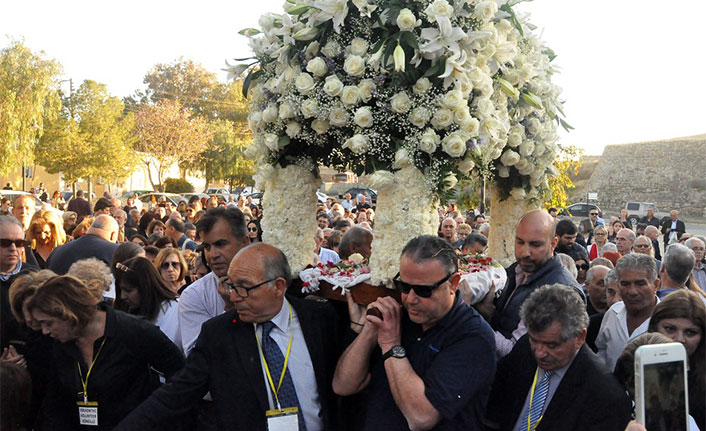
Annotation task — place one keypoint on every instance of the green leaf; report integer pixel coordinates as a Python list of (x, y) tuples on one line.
[(565, 125), (513, 18), (253, 75), (249, 32), (436, 69), (408, 38)]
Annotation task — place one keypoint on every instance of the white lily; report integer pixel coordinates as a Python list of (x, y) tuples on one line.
[(446, 36), (337, 10), (364, 8)]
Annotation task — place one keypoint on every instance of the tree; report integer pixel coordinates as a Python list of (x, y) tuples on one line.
[(95, 142), (569, 159), (27, 96), (167, 134)]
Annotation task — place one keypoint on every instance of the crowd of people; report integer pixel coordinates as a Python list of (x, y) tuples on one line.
[(122, 317)]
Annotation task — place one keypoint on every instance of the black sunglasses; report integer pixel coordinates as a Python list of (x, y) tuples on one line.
[(165, 265), (6, 243), (583, 266), (423, 291)]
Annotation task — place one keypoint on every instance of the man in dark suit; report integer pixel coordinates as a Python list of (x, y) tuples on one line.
[(99, 242), (551, 380), (80, 206), (235, 355), (672, 229)]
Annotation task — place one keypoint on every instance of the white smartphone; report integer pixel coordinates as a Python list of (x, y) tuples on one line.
[(661, 390)]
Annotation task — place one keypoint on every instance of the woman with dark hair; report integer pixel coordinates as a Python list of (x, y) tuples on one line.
[(615, 227), (165, 242), (254, 231), (681, 316), (101, 355), (156, 226), (140, 290), (139, 240)]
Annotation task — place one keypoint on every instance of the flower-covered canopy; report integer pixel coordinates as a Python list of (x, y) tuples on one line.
[(446, 86)]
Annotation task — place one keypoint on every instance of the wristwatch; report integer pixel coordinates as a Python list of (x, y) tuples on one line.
[(395, 352)]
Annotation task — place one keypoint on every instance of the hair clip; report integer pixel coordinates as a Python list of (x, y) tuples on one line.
[(122, 267)]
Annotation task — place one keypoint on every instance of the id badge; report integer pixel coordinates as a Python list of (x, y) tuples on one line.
[(282, 420), (88, 413)]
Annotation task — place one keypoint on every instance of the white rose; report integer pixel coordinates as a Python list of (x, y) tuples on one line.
[(266, 21), (254, 121), (503, 172), (310, 108), (462, 116), (366, 87), (357, 143), (533, 126), (429, 141), (270, 114), (359, 46), (526, 148), (363, 117), (518, 193), (320, 126), (272, 141), (380, 179), (471, 127), (331, 49), (453, 100), (350, 96), (514, 139), (400, 102), (539, 149), (286, 110), (504, 26), (401, 159), (442, 118), (421, 86), (356, 258), (485, 10), (333, 86), (466, 165), (450, 181), (419, 117), (317, 66), (486, 106), (454, 145), (463, 84), (406, 20), (522, 164), (439, 8), (305, 83), (509, 158), (293, 129), (311, 50), (338, 117), (535, 181), (354, 65)]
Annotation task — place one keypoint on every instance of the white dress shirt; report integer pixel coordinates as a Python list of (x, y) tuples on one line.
[(613, 335), (326, 255), (299, 366), (168, 321), (199, 302)]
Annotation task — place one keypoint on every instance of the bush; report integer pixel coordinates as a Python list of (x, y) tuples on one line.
[(177, 185)]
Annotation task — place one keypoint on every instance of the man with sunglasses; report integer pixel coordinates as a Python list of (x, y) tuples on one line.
[(428, 362), (12, 241)]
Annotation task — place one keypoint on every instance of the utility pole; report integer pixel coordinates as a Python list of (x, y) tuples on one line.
[(71, 112)]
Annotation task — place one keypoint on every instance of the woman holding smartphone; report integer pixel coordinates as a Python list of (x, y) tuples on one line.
[(681, 316)]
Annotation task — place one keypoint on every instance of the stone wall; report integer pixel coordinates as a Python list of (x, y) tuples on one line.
[(671, 174)]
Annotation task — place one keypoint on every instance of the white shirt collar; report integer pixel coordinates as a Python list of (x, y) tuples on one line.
[(281, 319)]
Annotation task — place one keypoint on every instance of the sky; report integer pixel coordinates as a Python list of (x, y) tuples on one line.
[(630, 70)]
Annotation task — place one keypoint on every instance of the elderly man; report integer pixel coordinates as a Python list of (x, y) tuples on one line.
[(672, 229), (176, 229), (223, 234), (415, 363), (676, 268), (625, 320), (12, 241), (587, 225), (23, 209), (99, 242), (643, 245), (121, 217), (595, 286), (325, 254), (552, 376), (475, 243), (272, 354), (624, 241), (699, 271), (484, 229), (536, 266), (448, 230), (652, 233), (650, 218), (355, 240)]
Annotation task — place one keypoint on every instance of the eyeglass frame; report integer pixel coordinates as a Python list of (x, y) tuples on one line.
[(229, 287), (7, 242), (425, 291), (174, 264)]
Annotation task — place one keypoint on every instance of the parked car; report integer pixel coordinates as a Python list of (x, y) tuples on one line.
[(580, 210), (321, 197), (159, 197), (12, 195), (217, 191), (69, 195), (637, 210), (244, 190), (256, 197), (354, 191), (188, 196)]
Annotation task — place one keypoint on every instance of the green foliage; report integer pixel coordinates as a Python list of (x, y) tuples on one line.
[(178, 185), (568, 160), (95, 143), (27, 97)]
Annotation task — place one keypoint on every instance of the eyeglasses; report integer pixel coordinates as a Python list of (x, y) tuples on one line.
[(621, 239), (698, 249), (166, 265), (252, 229), (242, 291), (599, 234), (423, 291), (642, 246), (582, 267), (595, 214), (6, 243)]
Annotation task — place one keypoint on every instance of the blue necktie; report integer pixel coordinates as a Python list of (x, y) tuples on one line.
[(287, 395), (538, 400)]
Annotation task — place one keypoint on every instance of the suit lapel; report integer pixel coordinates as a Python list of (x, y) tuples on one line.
[(568, 389), (246, 346)]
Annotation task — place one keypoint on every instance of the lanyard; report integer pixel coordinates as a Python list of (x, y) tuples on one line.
[(529, 409), (286, 360), (88, 374)]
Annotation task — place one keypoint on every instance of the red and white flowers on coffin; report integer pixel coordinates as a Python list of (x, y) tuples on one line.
[(341, 275), (479, 274)]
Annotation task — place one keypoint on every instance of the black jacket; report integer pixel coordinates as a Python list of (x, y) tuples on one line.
[(87, 246)]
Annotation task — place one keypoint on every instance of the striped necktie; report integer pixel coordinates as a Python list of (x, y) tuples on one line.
[(537, 400)]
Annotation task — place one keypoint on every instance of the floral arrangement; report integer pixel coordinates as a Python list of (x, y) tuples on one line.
[(476, 263), (479, 273), (419, 92), (343, 274)]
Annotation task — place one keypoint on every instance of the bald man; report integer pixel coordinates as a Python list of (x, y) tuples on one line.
[(535, 266), (99, 242)]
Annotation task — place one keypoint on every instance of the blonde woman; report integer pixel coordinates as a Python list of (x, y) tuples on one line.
[(45, 233), (600, 238), (172, 267)]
